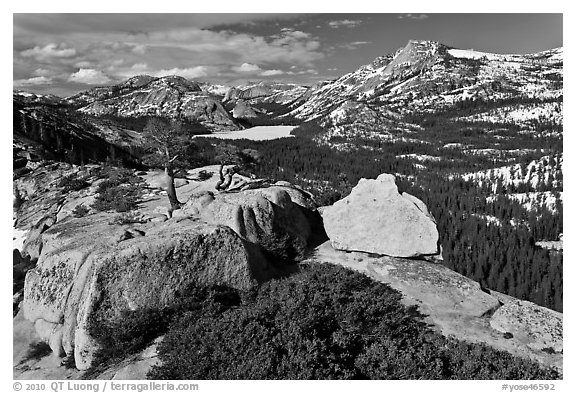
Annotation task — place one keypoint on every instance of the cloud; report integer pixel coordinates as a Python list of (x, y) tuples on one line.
[(336, 24), (89, 76), (102, 50), (413, 16), (37, 80), (49, 51), (83, 64), (296, 34), (304, 72), (247, 67), (206, 46), (354, 45), (272, 72), (139, 49), (188, 73), (42, 72)]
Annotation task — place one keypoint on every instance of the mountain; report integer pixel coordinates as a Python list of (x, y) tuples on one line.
[(45, 128), (427, 77), (169, 96), (267, 92)]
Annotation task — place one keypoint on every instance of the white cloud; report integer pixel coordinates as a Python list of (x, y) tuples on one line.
[(89, 76), (49, 51), (296, 34), (354, 45), (83, 64), (247, 67), (42, 72), (190, 52), (292, 46), (360, 43), (37, 80), (304, 72), (188, 73), (336, 24), (139, 49), (272, 72), (413, 16)]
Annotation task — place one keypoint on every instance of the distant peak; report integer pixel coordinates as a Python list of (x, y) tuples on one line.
[(421, 42), (173, 77), (139, 80)]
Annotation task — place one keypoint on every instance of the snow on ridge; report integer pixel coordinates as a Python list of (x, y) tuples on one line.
[(472, 54), (476, 55), (25, 94)]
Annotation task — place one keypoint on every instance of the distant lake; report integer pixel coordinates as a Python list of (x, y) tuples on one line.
[(259, 133)]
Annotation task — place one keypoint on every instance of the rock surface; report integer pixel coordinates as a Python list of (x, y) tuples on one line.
[(376, 218), (84, 271), (169, 96), (263, 216), (456, 306), (243, 111), (283, 93), (96, 266)]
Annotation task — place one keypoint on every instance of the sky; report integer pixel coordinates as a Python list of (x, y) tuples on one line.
[(63, 54)]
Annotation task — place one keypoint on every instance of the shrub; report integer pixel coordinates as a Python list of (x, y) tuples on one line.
[(80, 211), (120, 190), (131, 331), (118, 175), (203, 175), (72, 183), (325, 322), (37, 351), (119, 198)]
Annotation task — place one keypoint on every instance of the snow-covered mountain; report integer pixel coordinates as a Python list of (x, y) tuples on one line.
[(427, 77)]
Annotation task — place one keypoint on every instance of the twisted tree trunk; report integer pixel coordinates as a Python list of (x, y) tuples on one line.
[(171, 189)]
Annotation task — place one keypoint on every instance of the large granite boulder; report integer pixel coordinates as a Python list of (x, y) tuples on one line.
[(264, 216), (376, 218), (91, 269)]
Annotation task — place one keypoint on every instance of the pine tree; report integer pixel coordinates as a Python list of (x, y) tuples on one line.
[(167, 145)]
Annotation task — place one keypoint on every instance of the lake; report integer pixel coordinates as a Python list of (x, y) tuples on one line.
[(259, 133)]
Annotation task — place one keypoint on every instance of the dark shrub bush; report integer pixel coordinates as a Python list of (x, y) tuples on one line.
[(120, 190), (203, 175), (119, 198), (80, 211), (72, 183), (37, 351), (131, 331), (325, 322)]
